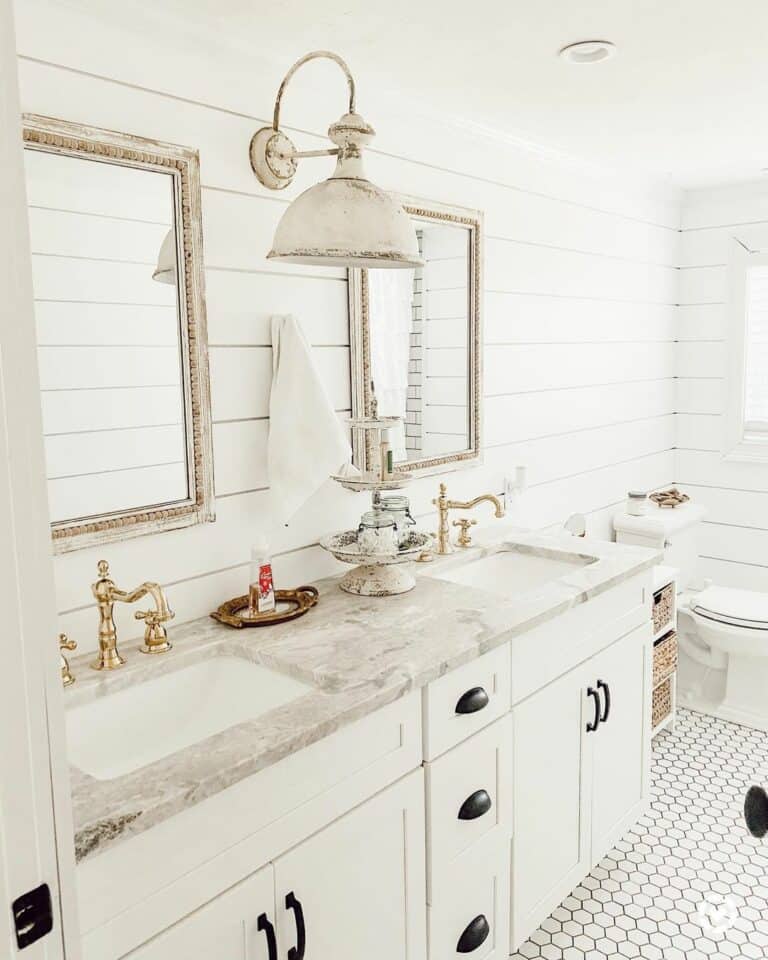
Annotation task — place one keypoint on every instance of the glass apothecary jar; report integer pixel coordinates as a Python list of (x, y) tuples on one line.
[(398, 507), (378, 533)]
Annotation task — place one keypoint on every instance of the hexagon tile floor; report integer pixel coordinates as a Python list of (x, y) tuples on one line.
[(689, 882)]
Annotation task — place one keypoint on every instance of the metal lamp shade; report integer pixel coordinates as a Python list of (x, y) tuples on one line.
[(165, 271), (346, 222)]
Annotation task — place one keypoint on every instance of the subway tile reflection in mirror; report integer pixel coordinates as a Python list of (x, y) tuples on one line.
[(119, 313)]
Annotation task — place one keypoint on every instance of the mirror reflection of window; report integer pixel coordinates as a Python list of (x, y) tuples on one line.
[(420, 345), (109, 334)]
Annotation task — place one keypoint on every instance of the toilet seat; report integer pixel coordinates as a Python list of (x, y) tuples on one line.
[(736, 608)]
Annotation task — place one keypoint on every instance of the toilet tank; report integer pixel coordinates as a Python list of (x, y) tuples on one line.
[(675, 531)]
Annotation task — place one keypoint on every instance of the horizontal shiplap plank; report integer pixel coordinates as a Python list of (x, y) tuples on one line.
[(731, 573), (703, 395), (740, 203), (702, 321), (708, 468), (517, 318), (104, 189), (241, 304), (75, 234), (98, 281), (706, 358), (734, 543), (241, 379), (93, 324), (703, 285), (716, 245), (84, 453), (88, 368), (743, 508), (514, 369), (700, 431), (76, 411), (118, 490), (551, 458), (526, 268), (530, 415)]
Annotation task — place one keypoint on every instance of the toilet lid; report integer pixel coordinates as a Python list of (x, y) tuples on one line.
[(740, 608)]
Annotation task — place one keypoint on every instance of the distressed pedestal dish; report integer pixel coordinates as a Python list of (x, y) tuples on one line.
[(376, 575)]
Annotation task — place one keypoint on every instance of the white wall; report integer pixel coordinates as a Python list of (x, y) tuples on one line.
[(734, 544), (580, 288)]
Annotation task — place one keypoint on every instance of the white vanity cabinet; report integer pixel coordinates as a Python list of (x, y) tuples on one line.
[(353, 890), (356, 889), (238, 925), (580, 774)]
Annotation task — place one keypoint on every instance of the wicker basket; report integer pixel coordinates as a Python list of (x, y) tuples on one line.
[(662, 702), (664, 657), (664, 607)]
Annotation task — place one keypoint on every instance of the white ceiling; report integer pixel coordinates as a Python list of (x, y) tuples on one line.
[(685, 98)]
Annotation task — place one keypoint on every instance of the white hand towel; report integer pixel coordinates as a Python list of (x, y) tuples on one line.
[(306, 442)]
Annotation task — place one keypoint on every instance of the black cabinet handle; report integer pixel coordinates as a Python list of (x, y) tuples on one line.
[(476, 804), (291, 903), (591, 727), (472, 701), (264, 925), (475, 934), (756, 811), (602, 685)]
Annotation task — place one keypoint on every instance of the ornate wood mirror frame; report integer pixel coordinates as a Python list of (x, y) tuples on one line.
[(182, 165), (360, 337)]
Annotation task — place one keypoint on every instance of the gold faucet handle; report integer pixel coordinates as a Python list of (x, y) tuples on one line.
[(464, 539), (66, 674), (65, 643), (152, 617)]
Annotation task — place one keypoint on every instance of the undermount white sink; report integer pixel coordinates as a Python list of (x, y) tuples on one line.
[(124, 731), (509, 573)]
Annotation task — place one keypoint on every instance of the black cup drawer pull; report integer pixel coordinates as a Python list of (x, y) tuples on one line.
[(472, 701), (474, 936), (476, 805)]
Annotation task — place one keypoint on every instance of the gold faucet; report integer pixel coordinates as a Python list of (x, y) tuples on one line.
[(66, 674), (443, 504), (107, 594)]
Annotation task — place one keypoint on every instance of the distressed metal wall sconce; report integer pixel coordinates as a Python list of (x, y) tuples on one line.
[(345, 221)]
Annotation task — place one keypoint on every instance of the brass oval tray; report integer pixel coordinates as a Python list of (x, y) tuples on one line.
[(234, 613)]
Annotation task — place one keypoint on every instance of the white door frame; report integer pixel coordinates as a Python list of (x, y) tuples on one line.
[(36, 843)]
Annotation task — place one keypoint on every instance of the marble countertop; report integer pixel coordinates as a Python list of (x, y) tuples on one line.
[(356, 653)]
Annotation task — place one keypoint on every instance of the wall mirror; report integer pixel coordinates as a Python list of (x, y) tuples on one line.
[(416, 343), (116, 242)]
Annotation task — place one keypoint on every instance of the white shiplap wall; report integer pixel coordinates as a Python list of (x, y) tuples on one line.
[(734, 544), (580, 294)]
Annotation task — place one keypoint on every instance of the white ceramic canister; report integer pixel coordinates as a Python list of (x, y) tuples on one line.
[(399, 508), (378, 533), (637, 503)]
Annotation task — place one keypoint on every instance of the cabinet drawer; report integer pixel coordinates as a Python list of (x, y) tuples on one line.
[(466, 700), (469, 794), (470, 916)]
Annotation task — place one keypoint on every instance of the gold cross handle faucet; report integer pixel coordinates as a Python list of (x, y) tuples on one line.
[(444, 505), (107, 594)]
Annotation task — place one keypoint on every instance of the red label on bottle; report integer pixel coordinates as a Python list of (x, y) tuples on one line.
[(265, 579)]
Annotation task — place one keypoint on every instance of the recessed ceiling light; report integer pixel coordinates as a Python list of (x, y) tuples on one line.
[(588, 51)]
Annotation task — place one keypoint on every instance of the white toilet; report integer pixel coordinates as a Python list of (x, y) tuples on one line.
[(722, 631)]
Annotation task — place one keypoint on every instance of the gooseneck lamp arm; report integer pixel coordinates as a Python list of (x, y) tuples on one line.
[(315, 55), (344, 221)]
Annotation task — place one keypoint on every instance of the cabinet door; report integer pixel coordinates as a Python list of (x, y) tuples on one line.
[(550, 837), (234, 926), (621, 744), (357, 889)]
